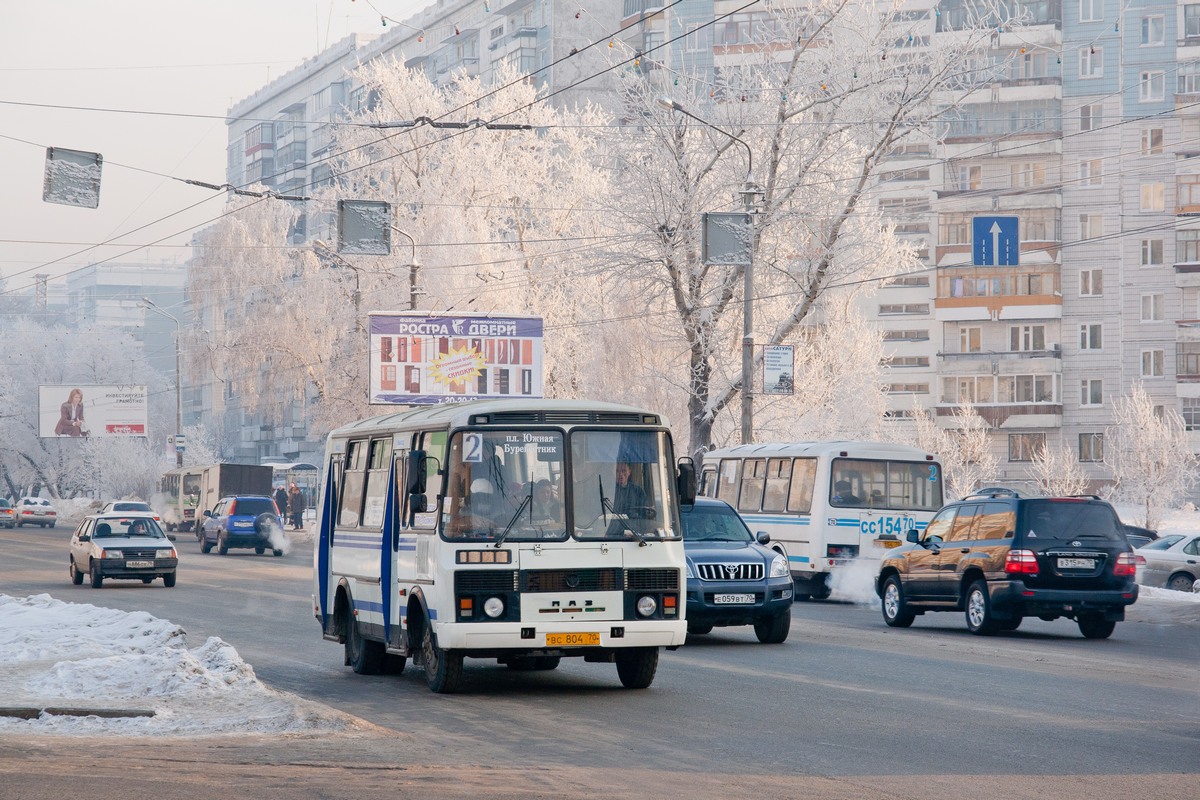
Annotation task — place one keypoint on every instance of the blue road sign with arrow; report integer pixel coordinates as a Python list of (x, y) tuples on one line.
[(994, 242)]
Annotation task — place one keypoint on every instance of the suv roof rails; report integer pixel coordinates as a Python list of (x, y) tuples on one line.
[(992, 491)]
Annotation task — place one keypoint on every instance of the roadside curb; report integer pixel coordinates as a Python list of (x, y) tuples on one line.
[(29, 712)]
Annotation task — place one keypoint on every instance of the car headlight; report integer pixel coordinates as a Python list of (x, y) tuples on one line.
[(646, 605), (112, 554), (493, 607), (164, 554), (779, 567), (689, 569)]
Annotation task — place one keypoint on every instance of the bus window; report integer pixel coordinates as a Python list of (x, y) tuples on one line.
[(754, 476), (915, 486), (378, 464), (353, 478), (854, 481), (708, 482), (434, 445), (804, 477), (776, 491), (727, 486)]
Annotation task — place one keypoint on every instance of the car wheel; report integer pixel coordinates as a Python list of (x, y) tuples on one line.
[(443, 668), (393, 664), (97, 578), (276, 552), (205, 545), (365, 657), (1095, 626), (222, 545), (636, 666), (169, 580), (978, 610), (896, 612), (774, 630), (1008, 624), (259, 550), (699, 628), (1180, 582), (76, 575)]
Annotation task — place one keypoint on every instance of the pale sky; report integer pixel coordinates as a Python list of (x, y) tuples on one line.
[(176, 58)]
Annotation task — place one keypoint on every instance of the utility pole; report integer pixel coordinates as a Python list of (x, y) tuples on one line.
[(751, 196), (149, 304)]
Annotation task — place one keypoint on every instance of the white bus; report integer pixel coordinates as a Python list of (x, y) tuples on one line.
[(824, 503), (520, 530), (179, 496)]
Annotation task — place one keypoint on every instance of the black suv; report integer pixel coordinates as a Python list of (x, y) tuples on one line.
[(1000, 557)]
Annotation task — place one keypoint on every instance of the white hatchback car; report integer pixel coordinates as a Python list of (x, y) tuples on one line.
[(121, 546), (36, 511)]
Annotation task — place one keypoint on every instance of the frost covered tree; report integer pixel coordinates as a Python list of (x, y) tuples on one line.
[(1057, 472), (810, 110), (1147, 450), (964, 448)]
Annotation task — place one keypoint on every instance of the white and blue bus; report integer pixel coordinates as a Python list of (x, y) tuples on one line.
[(824, 503), (520, 530)]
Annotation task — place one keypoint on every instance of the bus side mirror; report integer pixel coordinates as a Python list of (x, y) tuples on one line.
[(415, 483), (685, 481)]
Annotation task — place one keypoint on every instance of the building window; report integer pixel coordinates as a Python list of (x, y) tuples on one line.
[(1152, 307), (1091, 172), (1152, 363), (1153, 196), (904, 308), (1153, 30), (1027, 337), (1187, 246), (1152, 252), (1091, 447), (1151, 85), (1152, 141), (1191, 413), (1187, 360), (970, 178), (1091, 282), (1091, 10), (970, 340), (1091, 337), (906, 336), (1091, 226), (1091, 116), (1091, 392), (1026, 174), (1024, 446), (908, 388), (1191, 20), (969, 389), (1091, 62), (908, 361)]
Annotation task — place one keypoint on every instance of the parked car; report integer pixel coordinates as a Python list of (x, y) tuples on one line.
[(8, 514), (1172, 562), (241, 521), (732, 579), (121, 546), (1138, 536), (36, 511), (1001, 557), (131, 506)]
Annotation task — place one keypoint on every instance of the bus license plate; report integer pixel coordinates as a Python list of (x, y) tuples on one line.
[(1076, 563), (572, 640), (733, 599), (138, 564)]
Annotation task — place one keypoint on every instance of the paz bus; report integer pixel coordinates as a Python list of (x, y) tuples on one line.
[(179, 496), (824, 503), (502, 529)]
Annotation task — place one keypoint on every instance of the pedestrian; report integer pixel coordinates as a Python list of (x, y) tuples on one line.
[(295, 508), (281, 499)]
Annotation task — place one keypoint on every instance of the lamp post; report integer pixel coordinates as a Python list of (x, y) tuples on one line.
[(412, 270), (149, 304), (751, 194)]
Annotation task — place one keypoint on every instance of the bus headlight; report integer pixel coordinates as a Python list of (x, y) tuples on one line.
[(779, 567), (493, 607), (646, 606)]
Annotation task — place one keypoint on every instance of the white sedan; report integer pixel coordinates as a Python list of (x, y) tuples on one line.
[(1171, 562)]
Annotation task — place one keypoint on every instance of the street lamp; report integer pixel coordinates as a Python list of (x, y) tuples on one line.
[(412, 270), (149, 304), (751, 194)]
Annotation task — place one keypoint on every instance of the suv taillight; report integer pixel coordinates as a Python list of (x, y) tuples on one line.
[(232, 507), (1021, 562), (1126, 566)]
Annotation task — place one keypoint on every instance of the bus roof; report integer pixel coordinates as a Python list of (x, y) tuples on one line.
[(853, 449), (290, 466), (452, 415)]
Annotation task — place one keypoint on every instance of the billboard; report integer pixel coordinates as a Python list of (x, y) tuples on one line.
[(81, 410), (419, 360)]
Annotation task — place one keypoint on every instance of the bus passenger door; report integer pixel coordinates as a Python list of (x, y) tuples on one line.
[(323, 555)]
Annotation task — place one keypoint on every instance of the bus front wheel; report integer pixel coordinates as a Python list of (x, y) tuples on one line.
[(636, 666), (443, 668)]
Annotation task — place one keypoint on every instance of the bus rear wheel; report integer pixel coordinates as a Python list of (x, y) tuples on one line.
[(636, 666), (364, 657), (443, 668)]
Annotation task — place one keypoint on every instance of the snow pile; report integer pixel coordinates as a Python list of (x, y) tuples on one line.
[(67, 655)]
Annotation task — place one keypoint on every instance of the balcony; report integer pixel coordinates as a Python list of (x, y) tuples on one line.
[(998, 293)]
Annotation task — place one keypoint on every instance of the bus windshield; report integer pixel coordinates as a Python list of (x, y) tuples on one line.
[(621, 485), (505, 483)]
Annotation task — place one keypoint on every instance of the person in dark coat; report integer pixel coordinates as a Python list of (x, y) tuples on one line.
[(281, 499), (295, 507)]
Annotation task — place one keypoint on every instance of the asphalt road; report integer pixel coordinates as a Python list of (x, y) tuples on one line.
[(845, 708)]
